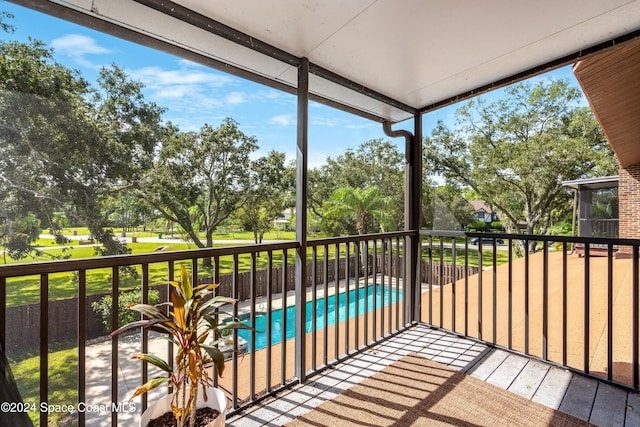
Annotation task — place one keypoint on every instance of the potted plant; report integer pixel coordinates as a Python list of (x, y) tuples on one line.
[(192, 321)]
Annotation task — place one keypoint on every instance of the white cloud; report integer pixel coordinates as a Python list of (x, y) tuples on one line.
[(325, 121), (77, 44), (236, 98), (78, 47), (157, 76), (283, 120)]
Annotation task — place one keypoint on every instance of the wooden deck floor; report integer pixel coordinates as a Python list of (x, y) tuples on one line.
[(585, 398)]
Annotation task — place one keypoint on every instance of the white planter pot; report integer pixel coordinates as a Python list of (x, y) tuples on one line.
[(216, 400)]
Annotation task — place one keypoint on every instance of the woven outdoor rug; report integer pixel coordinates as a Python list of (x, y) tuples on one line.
[(415, 391)]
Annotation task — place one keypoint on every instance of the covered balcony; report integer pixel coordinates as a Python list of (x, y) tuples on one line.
[(550, 327)]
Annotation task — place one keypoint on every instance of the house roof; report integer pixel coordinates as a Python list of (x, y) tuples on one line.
[(480, 204), (383, 59), (611, 83), (592, 183)]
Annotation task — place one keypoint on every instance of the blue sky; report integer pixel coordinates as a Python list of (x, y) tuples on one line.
[(194, 94)]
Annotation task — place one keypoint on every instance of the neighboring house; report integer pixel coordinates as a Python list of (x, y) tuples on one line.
[(283, 222), (483, 212), (616, 104), (595, 206)]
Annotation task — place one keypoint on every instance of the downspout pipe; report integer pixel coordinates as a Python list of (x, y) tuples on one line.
[(412, 208), (401, 133)]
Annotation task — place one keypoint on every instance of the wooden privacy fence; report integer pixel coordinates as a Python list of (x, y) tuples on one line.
[(23, 324), (444, 273)]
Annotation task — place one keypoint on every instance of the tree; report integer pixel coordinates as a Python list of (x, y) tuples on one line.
[(515, 152), (451, 210), (367, 208), (374, 163), (66, 146), (201, 179), (272, 191)]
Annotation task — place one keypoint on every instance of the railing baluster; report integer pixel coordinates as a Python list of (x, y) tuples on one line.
[(587, 304), (430, 275), (234, 356), (494, 263), (170, 277), (406, 287), (610, 312), (480, 289), (398, 303), (115, 284), (366, 292), (466, 286), (144, 331), (357, 296), (325, 335), (336, 311), (510, 292), (382, 287), (252, 307), (454, 280), (3, 313), (564, 303), (374, 287), (635, 337), (283, 342), (82, 342), (441, 282), (44, 345), (390, 295), (526, 296), (347, 298), (545, 299), (270, 317), (314, 306), (216, 279)]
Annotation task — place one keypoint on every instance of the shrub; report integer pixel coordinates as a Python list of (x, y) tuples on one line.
[(477, 225), (102, 307), (496, 225)]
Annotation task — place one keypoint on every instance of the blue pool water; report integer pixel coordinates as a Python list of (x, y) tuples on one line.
[(382, 298)]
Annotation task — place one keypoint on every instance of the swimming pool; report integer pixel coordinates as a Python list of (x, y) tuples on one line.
[(382, 297)]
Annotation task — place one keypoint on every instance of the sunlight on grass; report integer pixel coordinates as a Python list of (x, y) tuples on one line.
[(63, 384)]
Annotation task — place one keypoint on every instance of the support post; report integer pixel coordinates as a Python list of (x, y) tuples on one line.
[(301, 217), (413, 211)]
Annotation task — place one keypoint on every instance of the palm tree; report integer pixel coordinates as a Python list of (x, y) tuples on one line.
[(362, 206)]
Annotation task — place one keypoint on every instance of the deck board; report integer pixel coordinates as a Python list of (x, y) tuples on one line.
[(632, 415), (586, 398), (530, 379), (579, 398), (507, 372), (484, 368), (553, 388), (609, 406)]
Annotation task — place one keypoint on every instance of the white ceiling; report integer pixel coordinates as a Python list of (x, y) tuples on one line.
[(418, 52)]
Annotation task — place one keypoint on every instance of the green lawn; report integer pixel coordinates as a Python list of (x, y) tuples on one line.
[(63, 384), (26, 290), (502, 256)]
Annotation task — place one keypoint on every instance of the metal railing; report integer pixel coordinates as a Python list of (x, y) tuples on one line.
[(548, 302), (568, 309), (355, 293)]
